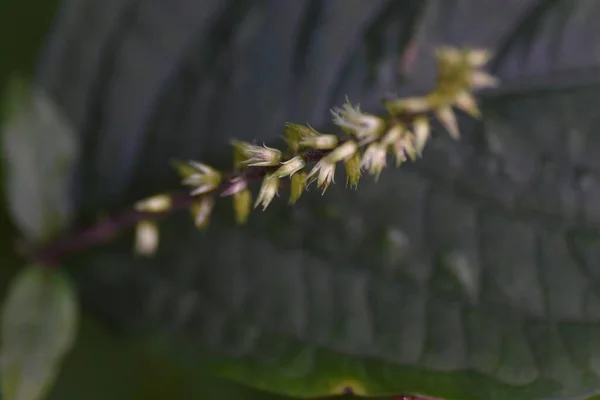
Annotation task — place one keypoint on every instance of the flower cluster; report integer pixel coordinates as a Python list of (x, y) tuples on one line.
[(363, 145)]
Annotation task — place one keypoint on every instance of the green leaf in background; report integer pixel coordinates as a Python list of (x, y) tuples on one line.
[(38, 149), (39, 324)]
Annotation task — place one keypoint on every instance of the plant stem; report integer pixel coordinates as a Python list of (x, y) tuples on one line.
[(52, 253)]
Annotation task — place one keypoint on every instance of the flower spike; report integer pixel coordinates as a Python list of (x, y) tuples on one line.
[(364, 142)]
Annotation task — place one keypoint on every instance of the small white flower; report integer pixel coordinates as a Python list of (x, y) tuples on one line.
[(374, 159), (261, 156), (351, 119), (322, 142), (236, 185), (268, 191), (203, 178), (343, 152), (326, 173), (146, 238), (289, 168), (158, 203)]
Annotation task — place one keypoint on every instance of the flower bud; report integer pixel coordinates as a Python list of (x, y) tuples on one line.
[(449, 56), (353, 121), (157, 204), (322, 142), (393, 135), (294, 133), (201, 176), (239, 153), (466, 102), (261, 156), (325, 169), (342, 152), (146, 238), (242, 204), (374, 159), (405, 147), (411, 105), (447, 118), (482, 80), (288, 168), (236, 184), (201, 210), (268, 191), (353, 170), (477, 58), (298, 184), (421, 129)]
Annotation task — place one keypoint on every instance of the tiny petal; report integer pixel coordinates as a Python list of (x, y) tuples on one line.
[(405, 147), (325, 169), (297, 186), (393, 135), (262, 156), (482, 80), (478, 58), (374, 159), (242, 204), (399, 153), (353, 170), (448, 120), (236, 185), (202, 189), (289, 168), (411, 105), (146, 238), (202, 210), (409, 147), (466, 102), (342, 152), (268, 191), (322, 142), (422, 131), (159, 203)]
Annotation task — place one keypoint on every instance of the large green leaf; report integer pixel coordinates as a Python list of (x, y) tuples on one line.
[(39, 322), (469, 275)]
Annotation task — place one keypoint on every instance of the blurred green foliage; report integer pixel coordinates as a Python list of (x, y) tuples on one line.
[(23, 26)]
